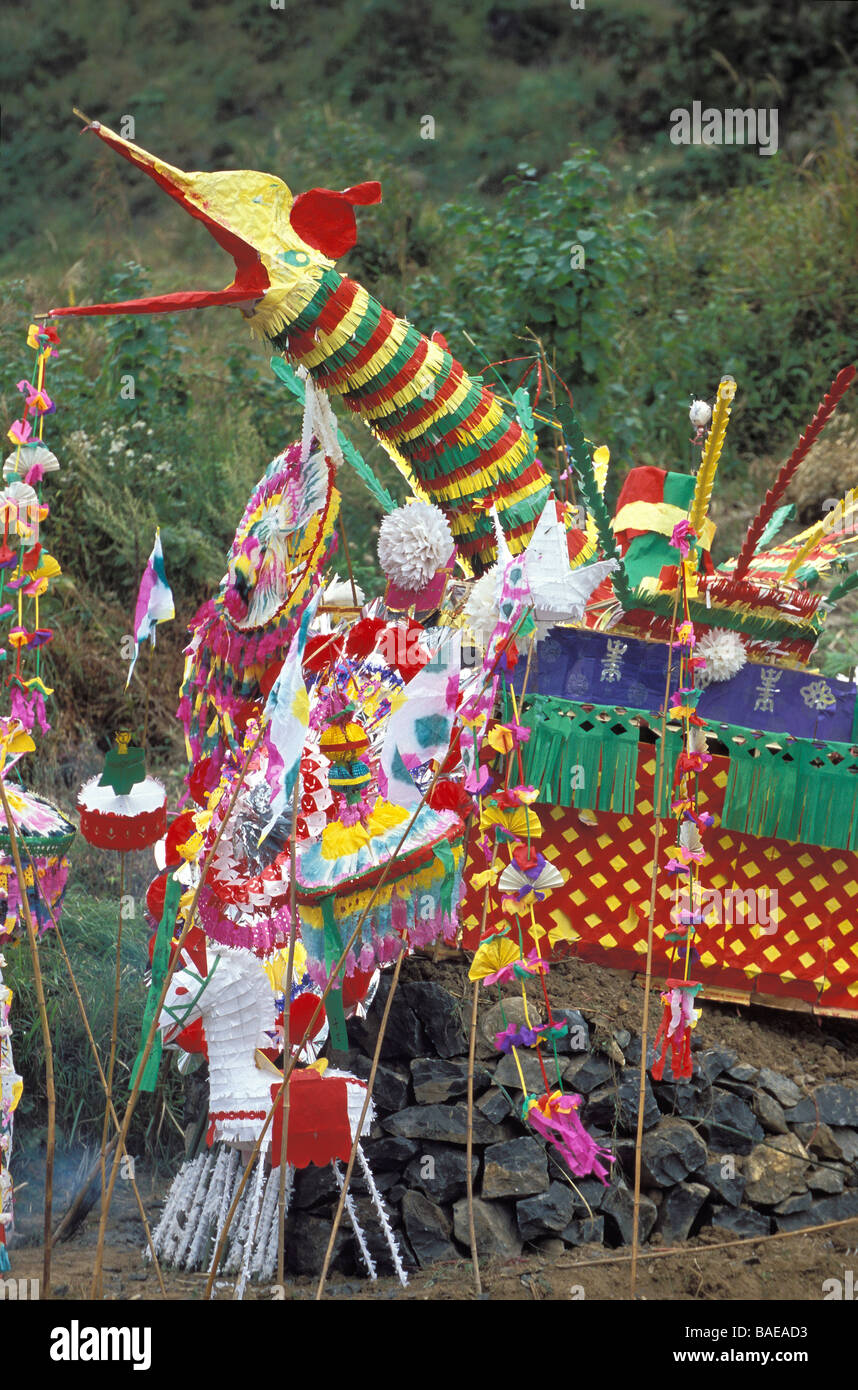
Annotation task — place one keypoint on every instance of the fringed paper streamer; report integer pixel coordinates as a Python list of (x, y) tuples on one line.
[(601, 460), (170, 1232), (231, 650), (760, 796), (751, 608), (790, 789), (843, 588), (383, 1217), (265, 1258), (356, 1226), (824, 411), (253, 1215), (232, 1179), (555, 1117), (195, 1212), (451, 447), (261, 932), (593, 500), (416, 904), (199, 1248), (45, 894), (711, 454), (828, 812), (577, 759), (674, 1031), (160, 964)]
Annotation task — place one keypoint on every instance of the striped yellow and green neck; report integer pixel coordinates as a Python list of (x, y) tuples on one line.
[(454, 440)]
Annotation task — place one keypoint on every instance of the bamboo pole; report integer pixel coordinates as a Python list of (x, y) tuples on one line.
[(46, 1040), (649, 936), (693, 1251), (469, 1146), (338, 1216)]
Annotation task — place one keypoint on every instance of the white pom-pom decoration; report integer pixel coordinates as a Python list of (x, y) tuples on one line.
[(724, 653), (413, 544), (700, 414), (481, 610)]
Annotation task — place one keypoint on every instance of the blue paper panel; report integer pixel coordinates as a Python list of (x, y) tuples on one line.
[(626, 671)]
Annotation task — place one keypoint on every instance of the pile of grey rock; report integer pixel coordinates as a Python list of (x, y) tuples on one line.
[(739, 1148)]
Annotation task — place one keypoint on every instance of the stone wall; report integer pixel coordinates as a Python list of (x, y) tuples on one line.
[(737, 1147)]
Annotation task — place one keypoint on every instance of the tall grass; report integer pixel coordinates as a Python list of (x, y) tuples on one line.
[(89, 926)]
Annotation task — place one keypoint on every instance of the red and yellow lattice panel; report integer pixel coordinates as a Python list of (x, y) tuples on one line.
[(784, 925)]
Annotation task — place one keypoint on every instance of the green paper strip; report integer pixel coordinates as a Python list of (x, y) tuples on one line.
[(160, 962), (334, 1003)]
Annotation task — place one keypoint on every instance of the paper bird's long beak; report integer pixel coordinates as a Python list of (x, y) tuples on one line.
[(189, 190)]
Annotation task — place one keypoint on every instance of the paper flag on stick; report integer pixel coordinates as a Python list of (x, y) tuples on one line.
[(154, 602)]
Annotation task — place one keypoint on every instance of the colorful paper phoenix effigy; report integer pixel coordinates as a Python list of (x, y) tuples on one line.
[(335, 762)]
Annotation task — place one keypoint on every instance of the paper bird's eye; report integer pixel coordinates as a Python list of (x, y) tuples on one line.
[(294, 257)]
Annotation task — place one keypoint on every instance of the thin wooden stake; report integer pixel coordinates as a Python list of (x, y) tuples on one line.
[(469, 1147), (46, 1040), (338, 1216), (649, 936)]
